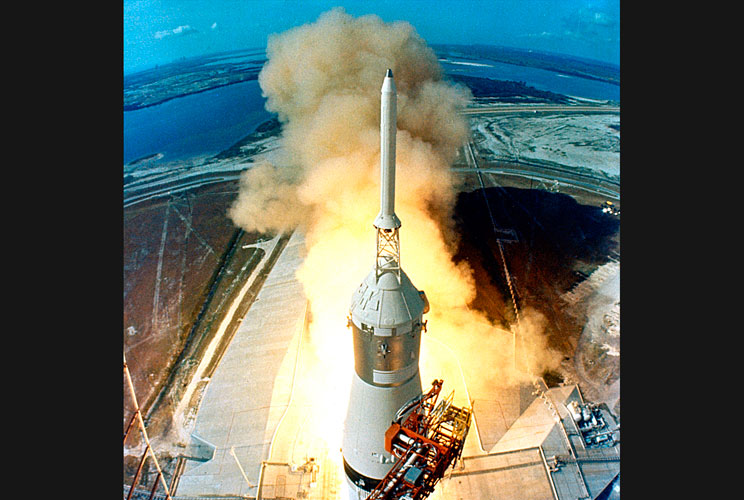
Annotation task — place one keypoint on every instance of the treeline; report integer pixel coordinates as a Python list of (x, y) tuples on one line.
[(507, 90), (188, 76), (560, 63), (266, 129)]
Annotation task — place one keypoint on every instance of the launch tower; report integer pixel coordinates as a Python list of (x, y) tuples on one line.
[(386, 319)]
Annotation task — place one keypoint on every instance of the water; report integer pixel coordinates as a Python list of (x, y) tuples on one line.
[(211, 121), (540, 79), (197, 124)]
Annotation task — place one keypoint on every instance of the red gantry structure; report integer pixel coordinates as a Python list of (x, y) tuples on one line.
[(425, 444)]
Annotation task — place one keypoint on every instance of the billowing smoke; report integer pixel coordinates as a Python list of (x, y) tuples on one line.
[(323, 80)]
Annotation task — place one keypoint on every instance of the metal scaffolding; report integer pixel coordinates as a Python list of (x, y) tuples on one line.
[(137, 416)]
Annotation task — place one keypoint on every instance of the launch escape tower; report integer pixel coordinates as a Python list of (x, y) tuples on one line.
[(386, 320)]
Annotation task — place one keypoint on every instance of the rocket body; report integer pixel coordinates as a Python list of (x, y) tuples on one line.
[(386, 324)]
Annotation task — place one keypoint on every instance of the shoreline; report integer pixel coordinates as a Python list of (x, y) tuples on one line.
[(136, 107)]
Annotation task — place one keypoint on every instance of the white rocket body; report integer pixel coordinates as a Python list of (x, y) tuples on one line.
[(386, 323)]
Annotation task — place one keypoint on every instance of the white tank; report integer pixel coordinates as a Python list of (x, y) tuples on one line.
[(586, 413), (575, 411)]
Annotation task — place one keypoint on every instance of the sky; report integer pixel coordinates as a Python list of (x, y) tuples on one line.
[(161, 31)]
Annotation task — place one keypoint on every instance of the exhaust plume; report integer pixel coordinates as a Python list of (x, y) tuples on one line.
[(323, 81)]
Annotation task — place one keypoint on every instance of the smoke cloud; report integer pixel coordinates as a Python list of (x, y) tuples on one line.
[(323, 80)]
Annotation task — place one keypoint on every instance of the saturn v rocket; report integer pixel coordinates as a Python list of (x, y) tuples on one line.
[(386, 320)]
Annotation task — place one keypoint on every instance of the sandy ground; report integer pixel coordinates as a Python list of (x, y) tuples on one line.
[(597, 358), (585, 141)]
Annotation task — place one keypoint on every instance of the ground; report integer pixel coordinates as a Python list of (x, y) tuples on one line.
[(183, 255)]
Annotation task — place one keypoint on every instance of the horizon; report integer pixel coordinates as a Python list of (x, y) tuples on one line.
[(157, 33)]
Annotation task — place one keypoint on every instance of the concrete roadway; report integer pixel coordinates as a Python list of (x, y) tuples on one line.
[(593, 187), (250, 389), (165, 185), (539, 108)]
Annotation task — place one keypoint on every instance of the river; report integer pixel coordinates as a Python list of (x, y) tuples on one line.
[(196, 124), (211, 121)]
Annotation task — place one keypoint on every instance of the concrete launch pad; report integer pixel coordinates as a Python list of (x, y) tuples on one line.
[(268, 412), (248, 393), (543, 455), (259, 411)]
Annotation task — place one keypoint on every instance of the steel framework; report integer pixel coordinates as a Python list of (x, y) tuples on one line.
[(425, 444), (137, 416), (388, 252)]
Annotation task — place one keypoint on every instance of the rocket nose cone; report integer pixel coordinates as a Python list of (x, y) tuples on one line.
[(388, 83)]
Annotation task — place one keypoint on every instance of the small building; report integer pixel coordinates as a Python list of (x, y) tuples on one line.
[(559, 448)]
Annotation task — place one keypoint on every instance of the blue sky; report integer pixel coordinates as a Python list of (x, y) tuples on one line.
[(160, 31)]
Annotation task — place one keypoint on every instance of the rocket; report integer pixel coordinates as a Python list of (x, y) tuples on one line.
[(386, 321)]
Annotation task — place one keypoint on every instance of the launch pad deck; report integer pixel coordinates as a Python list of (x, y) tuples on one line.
[(248, 397), (249, 390)]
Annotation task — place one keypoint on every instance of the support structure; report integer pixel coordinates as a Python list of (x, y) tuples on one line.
[(426, 443), (148, 448), (388, 252)]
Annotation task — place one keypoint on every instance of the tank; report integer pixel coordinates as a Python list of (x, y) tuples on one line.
[(575, 411)]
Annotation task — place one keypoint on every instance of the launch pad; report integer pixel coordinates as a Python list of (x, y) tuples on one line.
[(264, 431), (259, 411), (277, 415)]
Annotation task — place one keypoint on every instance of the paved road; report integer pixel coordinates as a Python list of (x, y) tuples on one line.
[(156, 190), (605, 188), (165, 185), (590, 183), (539, 108), (249, 390)]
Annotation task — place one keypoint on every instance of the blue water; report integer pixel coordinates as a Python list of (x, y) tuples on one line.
[(197, 124), (211, 121), (538, 78)]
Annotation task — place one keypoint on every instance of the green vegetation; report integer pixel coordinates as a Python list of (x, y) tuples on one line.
[(508, 91), (244, 147), (190, 76)]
